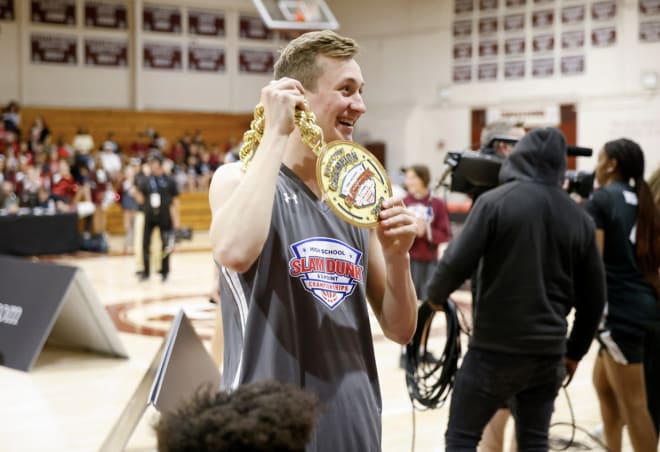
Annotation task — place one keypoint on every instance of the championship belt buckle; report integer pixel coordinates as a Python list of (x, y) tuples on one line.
[(353, 182)]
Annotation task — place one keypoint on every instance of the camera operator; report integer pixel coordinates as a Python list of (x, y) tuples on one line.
[(537, 258), (499, 137)]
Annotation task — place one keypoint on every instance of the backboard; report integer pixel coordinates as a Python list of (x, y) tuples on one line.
[(296, 14)]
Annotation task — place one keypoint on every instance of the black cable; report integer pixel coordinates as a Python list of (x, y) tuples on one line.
[(559, 444), (429, 382)]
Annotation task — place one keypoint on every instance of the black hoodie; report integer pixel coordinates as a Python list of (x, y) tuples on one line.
[(537, 257)]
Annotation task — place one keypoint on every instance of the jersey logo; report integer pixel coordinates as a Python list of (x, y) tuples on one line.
[(328, 268)]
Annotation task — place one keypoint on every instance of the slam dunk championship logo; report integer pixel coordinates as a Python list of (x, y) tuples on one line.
[(329, 269)]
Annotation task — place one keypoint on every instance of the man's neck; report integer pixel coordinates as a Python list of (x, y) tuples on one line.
[(301, 160)]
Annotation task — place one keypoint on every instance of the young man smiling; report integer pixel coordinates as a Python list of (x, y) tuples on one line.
[(276, 325)]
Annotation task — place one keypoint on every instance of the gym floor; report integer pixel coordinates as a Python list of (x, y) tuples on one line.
[(70, 400)]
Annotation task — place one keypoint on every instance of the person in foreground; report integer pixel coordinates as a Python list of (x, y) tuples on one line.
[(628, 235), (536, 252), (267, 416), (296, 278)]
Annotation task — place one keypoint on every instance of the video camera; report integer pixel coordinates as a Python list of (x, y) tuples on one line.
[(474, 172)]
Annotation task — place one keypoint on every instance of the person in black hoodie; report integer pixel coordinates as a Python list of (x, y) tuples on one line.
[(536, 255)]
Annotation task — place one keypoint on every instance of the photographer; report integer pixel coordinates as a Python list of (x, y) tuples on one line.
[(537, 258)]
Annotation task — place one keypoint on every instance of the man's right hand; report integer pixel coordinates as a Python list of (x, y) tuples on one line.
[(571, 366), (280, 99)]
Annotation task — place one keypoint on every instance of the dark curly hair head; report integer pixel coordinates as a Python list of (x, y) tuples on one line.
[(257, 417)]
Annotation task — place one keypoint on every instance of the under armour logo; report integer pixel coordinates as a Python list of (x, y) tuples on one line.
[(288, 197)]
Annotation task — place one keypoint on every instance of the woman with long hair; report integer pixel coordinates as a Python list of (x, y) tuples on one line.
[(628, 235)]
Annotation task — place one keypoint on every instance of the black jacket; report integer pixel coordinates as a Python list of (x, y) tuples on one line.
[(537, 257)]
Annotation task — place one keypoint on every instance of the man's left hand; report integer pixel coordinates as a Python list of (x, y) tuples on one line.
[(397, 228)]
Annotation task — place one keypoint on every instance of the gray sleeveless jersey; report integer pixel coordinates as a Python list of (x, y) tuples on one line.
[(300, 315)]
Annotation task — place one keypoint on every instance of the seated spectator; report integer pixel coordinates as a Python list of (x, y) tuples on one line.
[(111, 143), (8, 198), (256, 417), (11, 118), (38, 132), (111, 162)]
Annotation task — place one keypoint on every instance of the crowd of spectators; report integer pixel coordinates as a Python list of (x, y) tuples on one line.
[(41, 172)]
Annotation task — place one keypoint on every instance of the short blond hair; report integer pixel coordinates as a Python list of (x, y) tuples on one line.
[(298, 59)]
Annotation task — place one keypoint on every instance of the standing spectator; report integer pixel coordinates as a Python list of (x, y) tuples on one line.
[(158, 194), (111, 161), (128, 204), (537, 258), (38, 133), (11, 118), (111, 143), (628, 235)]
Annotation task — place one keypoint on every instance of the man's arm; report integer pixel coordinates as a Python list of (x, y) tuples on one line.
[(241, 203), (390, 287), (462, 256), (174, 212)]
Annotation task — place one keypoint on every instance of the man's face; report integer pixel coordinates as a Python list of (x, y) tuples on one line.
[(504, 149), (337, 101)]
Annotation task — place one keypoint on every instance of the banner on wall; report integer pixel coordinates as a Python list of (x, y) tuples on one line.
[(206, 59), (488, 5), (603, 10), (160, 19), (543, 43), (543, 67), (488, 49), (462, 74), (206, 23), (603, 37), (514, 46), (487, 72), (463, 6), (649, 7), (572, 39), (56, 49), (572, 14), (60, 12), (256, 61), (543, 2), (515, 3), (514, 70), (543, 19), (462, 28), (106, 52), (7, 10), (106, 15), (572, 65), (649, 31), (252, 27), (514, 22), (463, 51), (487, 25), (162, 56)]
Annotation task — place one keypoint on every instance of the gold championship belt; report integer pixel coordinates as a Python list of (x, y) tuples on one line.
[(353, 182)]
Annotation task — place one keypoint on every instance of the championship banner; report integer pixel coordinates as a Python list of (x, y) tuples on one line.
[(543, 67), (463, 6), (603, 37), (572, 39), (463, 51), (57, 49), (206, 59), (256, 61), (543, 43), (206, 23), (252, 27), (487, 25), (162, 56), (487, 72), (462, 74), (514, 46), (106, 52), (514, 70), (160, 19), (488, 49), (649, 7), (7, 10), (60, 12), (603, 10), (487, 5), (572, 65), (106, 15), (515, 3), (649, 31), (572, 15), (514, 23), (462, 29), (543, 19)]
